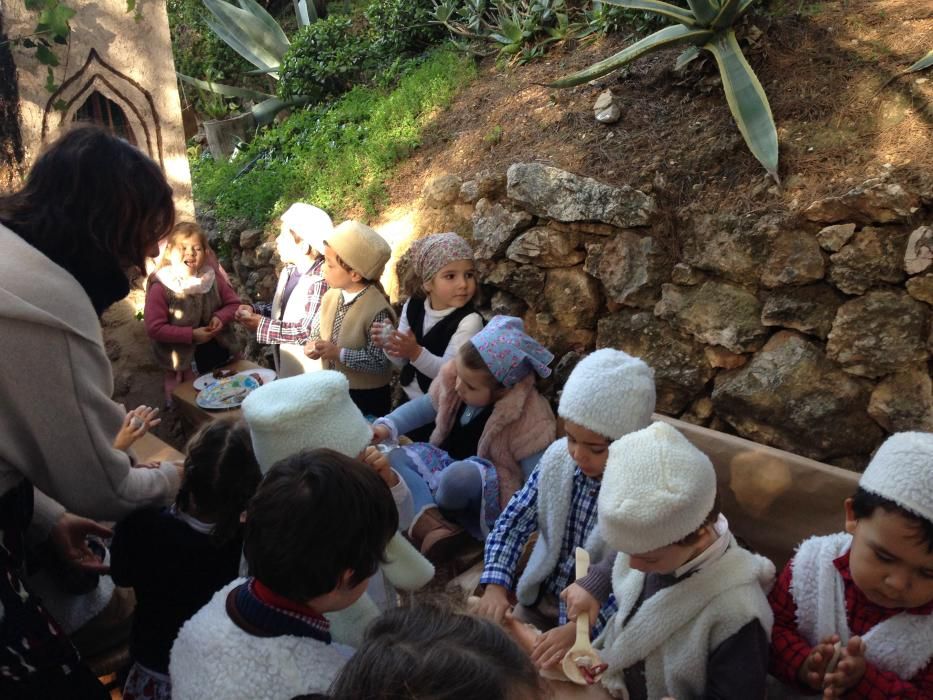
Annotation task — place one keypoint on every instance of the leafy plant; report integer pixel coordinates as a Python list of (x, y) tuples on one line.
[(924, 62), (400, 27), (326, 57), (706, 25)]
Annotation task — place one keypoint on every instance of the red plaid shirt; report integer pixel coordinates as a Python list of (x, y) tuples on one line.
[(789, 649)]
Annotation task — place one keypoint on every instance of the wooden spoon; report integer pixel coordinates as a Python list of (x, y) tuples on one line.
[(581, 664)]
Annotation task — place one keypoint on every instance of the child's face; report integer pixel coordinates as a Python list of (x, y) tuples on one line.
[(188, 254), (474, 386), (588, 449), (335, 274), (289, 246), (452, 286), (889, 563), (665, 560)]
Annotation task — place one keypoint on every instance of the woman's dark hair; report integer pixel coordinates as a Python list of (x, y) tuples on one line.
[(93, 204), (221, 475), (427, 653), (864, 504), (316, 515), (471, 359)]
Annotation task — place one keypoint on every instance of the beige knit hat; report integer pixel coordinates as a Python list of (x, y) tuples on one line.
[(361, 248), (657, 489)]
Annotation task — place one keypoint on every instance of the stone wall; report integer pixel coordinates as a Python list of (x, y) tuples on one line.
[(809, 331)]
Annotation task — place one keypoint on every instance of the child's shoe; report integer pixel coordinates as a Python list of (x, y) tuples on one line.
[(438, 539)]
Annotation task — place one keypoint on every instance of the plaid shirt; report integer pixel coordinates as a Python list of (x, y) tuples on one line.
[(789, 649), (368, 358), (519, 520), (274, 331)]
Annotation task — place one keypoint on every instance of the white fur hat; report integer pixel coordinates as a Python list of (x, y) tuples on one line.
[(609, 392), (311, 224), (656, 490), (902, 471), (302, 413)]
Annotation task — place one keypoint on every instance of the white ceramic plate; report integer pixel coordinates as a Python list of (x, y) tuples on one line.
[(204, 381), (227, 393)]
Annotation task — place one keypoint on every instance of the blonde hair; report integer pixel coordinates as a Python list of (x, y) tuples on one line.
[(186, 229)]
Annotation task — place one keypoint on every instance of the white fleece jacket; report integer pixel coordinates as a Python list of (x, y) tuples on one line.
[(213, 658), (675, 630), (58, 420)]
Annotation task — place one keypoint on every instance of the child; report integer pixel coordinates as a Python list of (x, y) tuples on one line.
[(189, 305), (439, 316), (176, 558), (135, 424), (312, 411), (426, 652), (286, 322), (609, 394), (870, 589), (492, 425), (354, 257), (693, 620), (316, 531)]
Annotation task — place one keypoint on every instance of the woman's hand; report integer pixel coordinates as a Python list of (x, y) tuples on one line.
[(403, 344), (69, 540), (578, 601), (494, 603), (551, 647), (136, 423)]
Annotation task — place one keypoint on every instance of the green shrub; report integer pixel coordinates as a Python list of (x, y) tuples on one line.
[(329, 55), (338, 156), (400, 27)]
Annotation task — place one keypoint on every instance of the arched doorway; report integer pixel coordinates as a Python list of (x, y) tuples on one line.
[(100, 111)]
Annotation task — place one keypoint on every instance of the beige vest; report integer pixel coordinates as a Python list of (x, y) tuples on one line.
[(353, 332)]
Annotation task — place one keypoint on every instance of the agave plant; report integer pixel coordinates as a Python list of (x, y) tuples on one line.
[(707, 24), (924, 62)]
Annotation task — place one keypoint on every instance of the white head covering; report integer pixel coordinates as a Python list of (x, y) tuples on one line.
[(312, 225), (902, 471)]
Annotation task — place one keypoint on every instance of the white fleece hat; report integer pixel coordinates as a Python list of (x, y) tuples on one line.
[(656, 490), (303, 413), (609, 392), (312, 225), (902, 471)]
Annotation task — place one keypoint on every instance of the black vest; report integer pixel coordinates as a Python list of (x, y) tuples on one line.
[(435, 341), (463, 440)]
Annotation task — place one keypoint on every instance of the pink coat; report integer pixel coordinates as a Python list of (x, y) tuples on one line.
[(522, 424)]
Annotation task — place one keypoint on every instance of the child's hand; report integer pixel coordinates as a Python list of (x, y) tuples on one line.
[(375, 459), (136, 423), (494, 603), (215, 325), (375, 332), (848, 671), (381, 433), (325, 350), (578, 601), (551, 646), (201, 335), (246, 318), (310, 349), (404, 345), (813, 668)]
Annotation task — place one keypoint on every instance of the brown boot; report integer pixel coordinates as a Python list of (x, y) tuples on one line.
[(438, 539)]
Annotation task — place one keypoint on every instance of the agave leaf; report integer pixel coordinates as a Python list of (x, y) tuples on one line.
[(703, 10), (246, 34), (687, 55), (663, 38), (221, 89), (265, 111), (678, 14), (728, 11), (266, 21), (924, 62), (747, 100), (743, 8)]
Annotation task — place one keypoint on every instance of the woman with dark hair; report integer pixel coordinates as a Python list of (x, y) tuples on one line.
[(92, 209)]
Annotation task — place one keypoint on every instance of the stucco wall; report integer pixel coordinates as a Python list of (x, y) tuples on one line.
[(126, 59)]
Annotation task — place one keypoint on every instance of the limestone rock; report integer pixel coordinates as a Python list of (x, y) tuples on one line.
[(873, 256), (547, 191), (594, 227), (792, 397), (505, 304), (879, 333), (832, 238), (919, 254), (524, 281), (610, 115), (681, 371), (723, 245), (720, 358), (605, 99), (441, 190), (699, 412), (266, 251), (810, 309), (631, 267), (921, 288), (573, 297), (795, 259), (558, 338), (715, 313), (250, 238), (469, 192), (565, 366), (904, 401), (494, 227), (874, 201), (687, 276), (490, 184), (546, 247)]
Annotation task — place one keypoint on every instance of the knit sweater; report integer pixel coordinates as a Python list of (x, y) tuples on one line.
[(58, 420), (521, 424), (675, 631), (213, 657)]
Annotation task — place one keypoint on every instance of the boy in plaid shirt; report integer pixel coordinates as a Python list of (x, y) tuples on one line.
[(852, 611), (609, 394)]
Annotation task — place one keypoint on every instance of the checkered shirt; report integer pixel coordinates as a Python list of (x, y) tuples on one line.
[(370, 357), (272, 330)]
